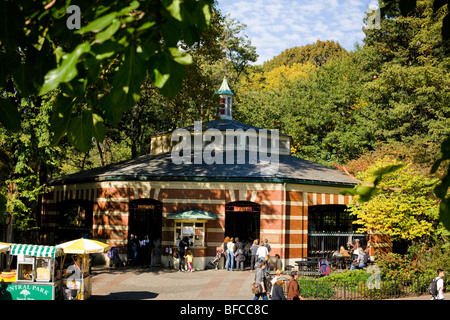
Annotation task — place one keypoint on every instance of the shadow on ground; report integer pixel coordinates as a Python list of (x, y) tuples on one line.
[(138, 295)]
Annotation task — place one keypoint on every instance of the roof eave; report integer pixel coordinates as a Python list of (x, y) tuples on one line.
[(205, 179)]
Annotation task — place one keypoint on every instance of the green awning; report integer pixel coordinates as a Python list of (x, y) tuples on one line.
[(35, 250), (192, 215)]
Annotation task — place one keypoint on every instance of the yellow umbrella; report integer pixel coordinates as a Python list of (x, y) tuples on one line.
[(84, 246), (4, 247)]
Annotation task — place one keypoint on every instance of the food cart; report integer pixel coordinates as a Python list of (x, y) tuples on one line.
[(76, 280), (31, 273)]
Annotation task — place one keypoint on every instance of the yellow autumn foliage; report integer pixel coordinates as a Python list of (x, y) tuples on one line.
[(278, 77), (404, 208)]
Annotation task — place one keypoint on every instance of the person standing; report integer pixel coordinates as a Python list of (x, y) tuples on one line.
[(292, 287), (263, 254), (355, 250), (144, 252), (182, 248), (267, 245), (239, 254), (260, 279), (189, 259), (133, 246), (254, 257), (225, 249), (230, 255)]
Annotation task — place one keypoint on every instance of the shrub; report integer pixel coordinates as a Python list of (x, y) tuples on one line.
[(351, 279), (311, 288)]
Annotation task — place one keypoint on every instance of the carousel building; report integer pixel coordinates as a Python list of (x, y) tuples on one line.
[(206, 182)]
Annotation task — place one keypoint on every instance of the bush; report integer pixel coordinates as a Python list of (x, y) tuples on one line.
[(311, 288), (351, 279), (420, 261), (387, 290)]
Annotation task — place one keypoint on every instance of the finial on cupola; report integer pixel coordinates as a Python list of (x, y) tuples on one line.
[(225, 110)]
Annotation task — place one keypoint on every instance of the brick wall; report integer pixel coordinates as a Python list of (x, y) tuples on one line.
[(283, 209)]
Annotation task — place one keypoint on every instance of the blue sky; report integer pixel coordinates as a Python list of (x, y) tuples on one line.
[(276, 25)]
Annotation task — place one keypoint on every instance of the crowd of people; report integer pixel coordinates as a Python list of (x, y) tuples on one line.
[(236, 253), (276, 291), (143, 252)]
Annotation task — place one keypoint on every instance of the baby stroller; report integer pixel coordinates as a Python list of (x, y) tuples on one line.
[(114, 258), (214, 263), (324, 267)]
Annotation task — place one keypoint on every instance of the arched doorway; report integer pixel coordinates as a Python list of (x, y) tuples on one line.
[(145, 218), (75, 220), (242, 220)]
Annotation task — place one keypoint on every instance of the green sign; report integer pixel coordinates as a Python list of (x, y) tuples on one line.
[(25, 292)]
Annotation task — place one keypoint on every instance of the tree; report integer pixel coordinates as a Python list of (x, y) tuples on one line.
[(89, 76), (99, 68), (317, 53), (416, 34), (30, 159), (405, 209)]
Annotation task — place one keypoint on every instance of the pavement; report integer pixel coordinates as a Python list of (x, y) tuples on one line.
[(169, 284)]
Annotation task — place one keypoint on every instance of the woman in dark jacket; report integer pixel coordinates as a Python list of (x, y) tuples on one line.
[(182, 248), (239, 255), (277, 291)]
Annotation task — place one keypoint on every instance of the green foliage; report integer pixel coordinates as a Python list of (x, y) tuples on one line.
[(351, 280), (406, 207), (317, 53), (99, 68), (310, 288), (29, 156), (442, 189)]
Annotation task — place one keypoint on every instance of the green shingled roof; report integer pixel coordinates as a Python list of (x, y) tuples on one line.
[(224, 88)]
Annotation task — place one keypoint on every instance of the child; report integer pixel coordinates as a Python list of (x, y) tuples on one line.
[(190, 259)]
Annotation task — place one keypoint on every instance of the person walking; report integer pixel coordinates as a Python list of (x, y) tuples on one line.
[(239, 255), (254, 257), (292, 287), (278, 276), (440, 285), (230, 255), (277, 291), (260, 279)]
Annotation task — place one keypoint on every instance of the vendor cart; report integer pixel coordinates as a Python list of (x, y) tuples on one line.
[(76, 280), (31, 273)]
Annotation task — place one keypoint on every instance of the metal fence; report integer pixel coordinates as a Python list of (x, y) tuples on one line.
[(320, 289), (322, 244)]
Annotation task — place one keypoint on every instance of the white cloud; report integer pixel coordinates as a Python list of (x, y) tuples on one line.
[(276, 25)]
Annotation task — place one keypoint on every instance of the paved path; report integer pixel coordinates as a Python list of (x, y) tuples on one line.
[(168, 284)]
